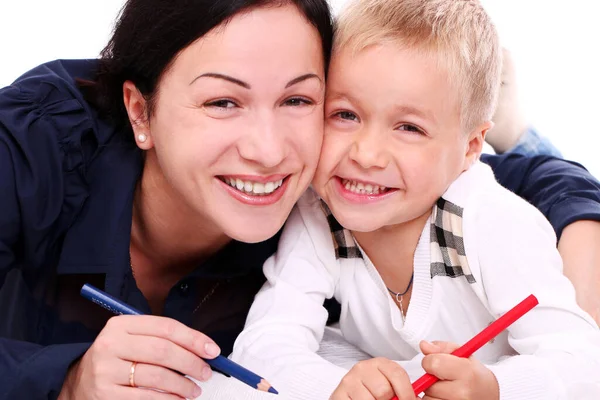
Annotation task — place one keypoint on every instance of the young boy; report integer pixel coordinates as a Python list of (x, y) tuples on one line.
[(417, 241)]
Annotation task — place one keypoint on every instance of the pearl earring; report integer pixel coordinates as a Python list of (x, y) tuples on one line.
[(142, 138)]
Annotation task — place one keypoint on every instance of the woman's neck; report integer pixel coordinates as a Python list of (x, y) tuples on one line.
[(167, 236)]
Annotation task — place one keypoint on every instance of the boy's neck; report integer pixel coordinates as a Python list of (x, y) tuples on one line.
[(391, 249)]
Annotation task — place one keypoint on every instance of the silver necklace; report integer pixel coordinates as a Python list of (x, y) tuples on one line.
[(398, 296)]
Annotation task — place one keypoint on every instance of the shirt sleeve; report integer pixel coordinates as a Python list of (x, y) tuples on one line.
[(31, 371), (557, 343), (32, 191), (287, 319), (564, 191)]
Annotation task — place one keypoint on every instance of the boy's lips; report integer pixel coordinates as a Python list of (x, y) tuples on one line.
[(363, 187), (361, 192)]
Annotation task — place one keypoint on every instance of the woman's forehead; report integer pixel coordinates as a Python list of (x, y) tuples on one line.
[(267, 41)]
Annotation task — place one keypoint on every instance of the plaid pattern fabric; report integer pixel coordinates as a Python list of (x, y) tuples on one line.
[(446, 247), (448, 256), (343, 241)]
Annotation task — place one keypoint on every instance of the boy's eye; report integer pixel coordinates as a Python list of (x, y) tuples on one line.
[(297, 101), (346, 115), (223, 103), (410, 128)]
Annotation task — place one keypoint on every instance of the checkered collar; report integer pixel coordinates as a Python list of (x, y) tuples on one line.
[(447, 248)]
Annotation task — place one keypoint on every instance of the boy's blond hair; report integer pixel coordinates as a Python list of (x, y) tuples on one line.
[(459, 33)]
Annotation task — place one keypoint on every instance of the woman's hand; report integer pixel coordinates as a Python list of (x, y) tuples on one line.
[(159, 346), (377, 378), (460, 378)]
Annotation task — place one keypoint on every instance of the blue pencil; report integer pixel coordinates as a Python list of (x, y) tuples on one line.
[(220, 363)]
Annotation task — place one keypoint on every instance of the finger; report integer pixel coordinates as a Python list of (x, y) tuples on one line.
[(155, 377), (163, 353), (360, 392), (129, 393), (446, 347), (398, 379), (446, 390), (351, 387), (170, 329), (378, 385), (437, 347), (446, 366)]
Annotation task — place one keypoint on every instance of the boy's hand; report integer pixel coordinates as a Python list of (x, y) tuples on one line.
[(377, 378), (460, 378)]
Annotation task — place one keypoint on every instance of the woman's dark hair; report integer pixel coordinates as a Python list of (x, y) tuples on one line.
[(150, 33)]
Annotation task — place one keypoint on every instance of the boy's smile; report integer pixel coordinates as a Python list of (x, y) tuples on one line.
[(393, 136), (360, 191)]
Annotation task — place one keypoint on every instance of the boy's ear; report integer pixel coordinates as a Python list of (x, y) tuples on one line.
[(136, 107), (475, 144)]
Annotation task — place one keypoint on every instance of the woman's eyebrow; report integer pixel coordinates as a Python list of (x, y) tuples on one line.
[(245, 85), (302, 78), (224, 77)]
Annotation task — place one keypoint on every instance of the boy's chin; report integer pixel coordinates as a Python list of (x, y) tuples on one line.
[(358, 223)]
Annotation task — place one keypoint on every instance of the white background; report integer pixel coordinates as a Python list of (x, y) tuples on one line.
[(556, 45)]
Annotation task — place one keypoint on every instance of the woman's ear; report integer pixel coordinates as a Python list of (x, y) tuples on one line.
[(136, 107), (475, 144)]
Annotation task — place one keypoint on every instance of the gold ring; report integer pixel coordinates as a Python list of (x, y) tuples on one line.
[(132, 374)]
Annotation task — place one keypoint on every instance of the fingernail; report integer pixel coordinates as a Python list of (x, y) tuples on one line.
[(197, 391), (212, 350), (206, 373)]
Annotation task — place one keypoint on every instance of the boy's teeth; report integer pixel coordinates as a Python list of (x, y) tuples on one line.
[(254, 188), (363, 188)]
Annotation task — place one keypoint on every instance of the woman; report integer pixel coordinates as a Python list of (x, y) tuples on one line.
[(166, 186), (142, 205)]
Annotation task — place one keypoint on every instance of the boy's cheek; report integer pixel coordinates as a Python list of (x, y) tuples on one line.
[(320, 180)]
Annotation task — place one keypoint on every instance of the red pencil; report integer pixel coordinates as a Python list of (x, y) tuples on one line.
[(493, 330)]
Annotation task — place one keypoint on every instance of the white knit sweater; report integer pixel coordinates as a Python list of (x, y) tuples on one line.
[(553, 352)]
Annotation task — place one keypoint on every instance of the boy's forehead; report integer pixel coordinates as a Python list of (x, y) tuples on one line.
[(391, 60), (394, 77), (436, 58)]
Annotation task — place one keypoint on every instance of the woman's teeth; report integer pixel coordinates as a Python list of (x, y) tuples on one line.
[(253, 188), (363, 188)]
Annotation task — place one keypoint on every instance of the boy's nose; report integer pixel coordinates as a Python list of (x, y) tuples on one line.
[(369, 151)]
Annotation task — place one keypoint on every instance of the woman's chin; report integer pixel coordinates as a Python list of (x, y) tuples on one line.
[(256, 235), (254, 229)]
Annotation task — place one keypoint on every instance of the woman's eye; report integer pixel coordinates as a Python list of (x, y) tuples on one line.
[(410, 128), (346, 115), (221, 104), (297, 101)]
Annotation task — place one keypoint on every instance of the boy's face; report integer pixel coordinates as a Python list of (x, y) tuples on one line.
[(393, 138)]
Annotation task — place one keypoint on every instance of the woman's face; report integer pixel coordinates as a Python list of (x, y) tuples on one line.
[(238, 121)]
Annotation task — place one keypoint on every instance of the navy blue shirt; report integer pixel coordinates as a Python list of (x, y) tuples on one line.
[(67, 179)]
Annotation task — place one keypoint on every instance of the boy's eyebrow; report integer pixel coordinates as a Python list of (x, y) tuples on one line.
[(400, 109), (425, 114), (245, 85), (331, 95)]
